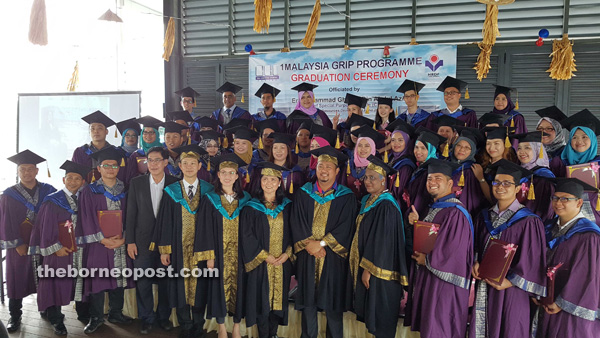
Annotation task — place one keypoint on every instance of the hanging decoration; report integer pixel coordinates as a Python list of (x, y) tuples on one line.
[(262, 15), (562, 66), (542, 34), (74, 81), (38, 27), (386, 52), (489, 32), (110, 16), (248, 48), (313, 23), (169, 39)]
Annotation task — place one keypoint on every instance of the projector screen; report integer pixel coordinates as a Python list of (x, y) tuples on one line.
[(50, 125)]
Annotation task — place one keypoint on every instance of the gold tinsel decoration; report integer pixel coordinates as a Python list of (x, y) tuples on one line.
[(262, 15), (489, 32), (413, 41), (313, 23), (38, 28), (74, 81), (169, 39), (562, 66)]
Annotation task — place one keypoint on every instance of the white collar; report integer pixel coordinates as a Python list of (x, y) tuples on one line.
[(159, 183), (187, 185), (68, 193), (573, 220), (232, 108)]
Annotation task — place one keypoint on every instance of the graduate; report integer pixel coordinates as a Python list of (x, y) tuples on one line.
[(439, 281), (555, 138), (266, 252), (187, 97), (303, 140), (446, 127), (211, 142), (356, 104), (173, 140), (105, 194), (503, 310), (217, 246), (497, 147), (348, 140), (503, 105), (293, 177), (401, 160), (413, 115), (183, 118), (570, 236), (98, 124), (136, 164), (19, 205), (377, 254), (306, 105), (265, 144), (367, 138), (267, 93), (130, 134), (60, 209), (242, 147), (385, 112), (204, 123), (452, 87), (175, 235), (229, 110), (324, 213), (321, 137)]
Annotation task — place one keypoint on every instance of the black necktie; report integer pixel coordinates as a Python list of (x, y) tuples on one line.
[(74, 197), (191, 192), (228, 111)]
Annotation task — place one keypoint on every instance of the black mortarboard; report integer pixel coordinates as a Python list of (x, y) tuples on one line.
[(243, 133), (551, 112), (584, 118), (330, 152), (297, 116), (389, 171), (180, 115), (425, 135), (231, 160), (384, 100), (207, 122), (359, 120), (98, 117), (436, 166), (229, 87), (129, 124), (72, 167), (305, 87), (491, 118), (534, 136), (366, 131), (400, 124), (283, 138), (450, 81), (172, 127), (492, 133), (195, 148), (26, 157), (305, 125), (188, 92), (149, 121), (211, 135), (237, 122), (356, 100), (410, 85), (447, 121), (473, 134), (108, 153), (572, 186), (270, 165), (327, 133), (267, 89), (267, 124), (503, 90), (505, 167)]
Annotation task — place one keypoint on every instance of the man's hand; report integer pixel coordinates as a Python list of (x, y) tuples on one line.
[(210, 263), (477, 171), (271, 260), (64, 251), (419, 258), (552, 309), (132, 250), (165, 259), (312, 247), (22, 249), (475, 271), (535, 301), (505, 284), (366, 277), (282, 259), (413, 216)]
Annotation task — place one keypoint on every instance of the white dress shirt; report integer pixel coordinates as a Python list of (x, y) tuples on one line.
[(575, 219), (156, 191), (194, 186), (70, 193), (460, 107)]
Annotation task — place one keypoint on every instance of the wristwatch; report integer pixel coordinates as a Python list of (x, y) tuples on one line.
[(323, 243), (482, 180)]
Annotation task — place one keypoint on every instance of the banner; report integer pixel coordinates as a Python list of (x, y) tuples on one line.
[(363, 72)]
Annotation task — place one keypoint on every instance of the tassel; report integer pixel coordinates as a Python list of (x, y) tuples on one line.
[(116, 135), (243, 101), (47, 168), (385, 157), (531, 193), (562, 66), (260, 143), (74, 81), (512, 122), (189, 140), (446, 152), (489, 33), (291, 187), (297, 149), (122, 162), (367, 111), (169, 39), (313, 23), (506, 140), (247, 177), (397, 183), (598, 203), (467, 96), (348, 172), (38, 28), (93, 177), (262, 15), (208, 166), (517, 104), (461, 181), (337, 142), (541, 155), (225, 142), (374, 126), (413, 42)]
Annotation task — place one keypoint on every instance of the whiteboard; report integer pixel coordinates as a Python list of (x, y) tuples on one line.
[(50, 124)]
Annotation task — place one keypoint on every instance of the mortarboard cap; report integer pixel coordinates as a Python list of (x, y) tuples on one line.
[(534, 136), (410, 85), (330, 154), (447, 121), (572, 186), (72, 167), (207, 122), (380, 166), (327, 133), (305, 125), (229, 87), (237, 122), (98, 117), (267, 89), (356, 100), (503, 90), (427, 136), (194, 148), (272, 169), (491, 118), (129, 124), (150, 122), (505, 167), (584, 118), (283, 138), (400, 124), (450, 81), (211, 135), (26, 157), (492, 133), (551, 112), (473, 134), (172, 127), (272, 124), (243, 133), (188, 92), (180, 115), (228, 160), (384, 100), (359, 120), (305, 87), (436, 166), (366, 131), (108, 153)]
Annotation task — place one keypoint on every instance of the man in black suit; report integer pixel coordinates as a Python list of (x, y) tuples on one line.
[(145, 193)]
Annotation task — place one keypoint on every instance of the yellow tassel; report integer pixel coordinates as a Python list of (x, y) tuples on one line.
[(531, 193), (367, 111), (93, 177), (169, 39), (374, 125), (506, 140), (189, 140), (461, 181), (291, 186), (562, 66), (247, 177), (397, 183), (512, 122), (38, 28), (313, 23), (337, 142), (260, 143), (467, 96), (385, 157), (225, 142), (413, 42), (297, 149), (598, 203), (74, 81), (243, 101), (116, 135), (122, 162), (208, 166), (446, 152), (48, 169), (262, 15), (517, 104), (541, 155), (348, 172)]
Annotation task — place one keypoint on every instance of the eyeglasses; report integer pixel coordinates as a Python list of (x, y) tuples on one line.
[(504, 184), (129, 135), (108, 166), (409, 96), (212, 146), (371, 178), (563, 200), (546, 130), (187, 101), (156, 160), (451, 93), (148, 132)]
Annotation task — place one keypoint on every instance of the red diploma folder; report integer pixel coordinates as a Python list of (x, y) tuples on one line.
[(66, 235), (587, 172), (142, 164), (552, 273), (425, 234), (111, 222), (25, 230), (496, 261)]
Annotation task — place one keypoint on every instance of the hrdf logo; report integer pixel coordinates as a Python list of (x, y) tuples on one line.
[(434, 62)]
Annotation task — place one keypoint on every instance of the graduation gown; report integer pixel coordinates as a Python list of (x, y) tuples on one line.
[(419, 119), (378, 247), (263, 232), (439, 291), (54, 291), (132, 164), (218, 239), (577, 283), (353, 179), (303, 159), (470, 193), (405, 167), (320, 118), (238, 113), (91, 200), (416, 193), (14, 210), (329, 217), (466, 115), (543, 190), (279, 116), (82, 155), (557, 166), (175, 237), (506, 313)]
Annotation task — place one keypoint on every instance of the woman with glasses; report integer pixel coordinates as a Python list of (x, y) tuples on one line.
[(413, 115), (136, 164), (401, 159), (210, 141), (130, 132), (555, 138), (367, 139)]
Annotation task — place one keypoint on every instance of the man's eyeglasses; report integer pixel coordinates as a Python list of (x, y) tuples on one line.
[(109, 166), (505, 184), (187, 101), (451, 93), (409, 96), (156, 160), (563, 199)]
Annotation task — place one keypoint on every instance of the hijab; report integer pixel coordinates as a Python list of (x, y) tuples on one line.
[(146, 146), (431, 150), (537, 161), (247, 157), (129, 149), (363, 162), (406, 138), (573, 157), (204, 144), (471, 156), (310, 111), (322, 143), (510, 106), (561, 135)]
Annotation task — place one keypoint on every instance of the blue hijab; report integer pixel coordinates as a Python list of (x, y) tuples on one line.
[(573, 157), (146, 146), (129, 149), (431, 150)]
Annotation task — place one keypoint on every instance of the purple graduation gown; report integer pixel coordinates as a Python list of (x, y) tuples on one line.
[(466, 115), (416, 191), (577, 283), (405, 167), (81, 155), (544, 190), (470, 194)]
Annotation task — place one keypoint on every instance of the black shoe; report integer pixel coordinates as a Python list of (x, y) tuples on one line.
[(93, 325), (165, 324), (44, 315), (83, 319), (145, 328), (60, 329), (13, 324), (184, 334), (119, 319), (197, 331)]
